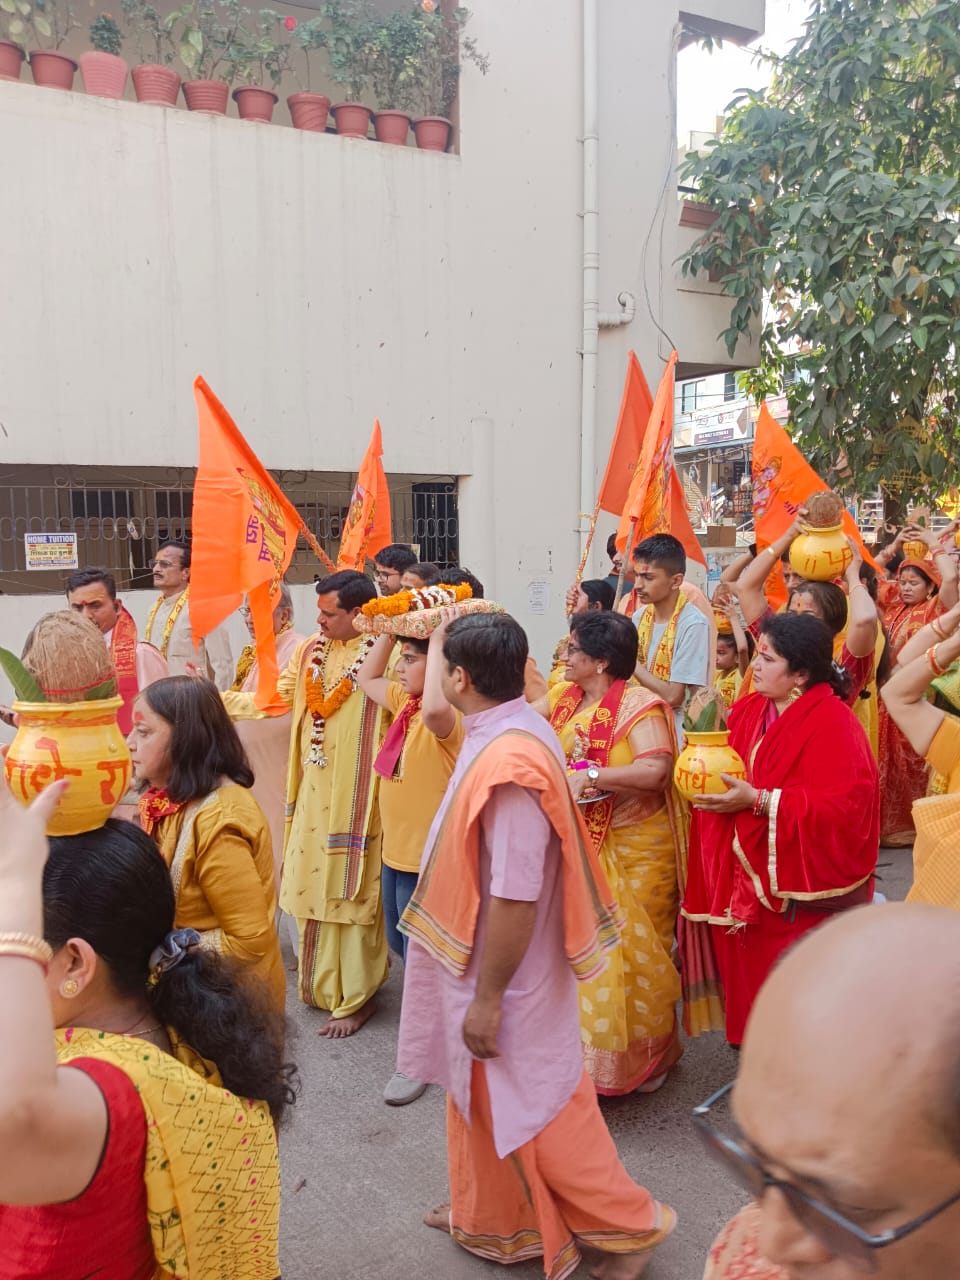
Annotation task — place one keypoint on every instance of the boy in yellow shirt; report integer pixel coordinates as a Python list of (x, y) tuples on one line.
[(414, 764)]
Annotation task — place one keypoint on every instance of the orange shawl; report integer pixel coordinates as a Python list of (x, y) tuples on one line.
[(442, 915)]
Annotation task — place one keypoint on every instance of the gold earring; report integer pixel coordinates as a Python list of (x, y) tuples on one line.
[(69, 987), (599, 671)]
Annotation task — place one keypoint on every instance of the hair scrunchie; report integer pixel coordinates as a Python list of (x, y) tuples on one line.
[(171, 951)]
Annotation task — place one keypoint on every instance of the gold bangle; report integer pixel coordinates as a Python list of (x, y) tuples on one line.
[(771, 552), (933, 662), (26, 947)]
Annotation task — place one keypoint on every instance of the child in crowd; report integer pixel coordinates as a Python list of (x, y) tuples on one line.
[(733, 649)]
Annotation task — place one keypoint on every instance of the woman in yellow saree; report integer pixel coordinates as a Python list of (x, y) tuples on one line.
[(139, 1120), (619, 743)]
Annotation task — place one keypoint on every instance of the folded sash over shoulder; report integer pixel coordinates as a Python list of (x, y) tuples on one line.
[(442, 915)]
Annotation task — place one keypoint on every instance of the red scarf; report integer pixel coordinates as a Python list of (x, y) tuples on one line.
[(123, 651), (602, 730), (388, 761), (155, 805)]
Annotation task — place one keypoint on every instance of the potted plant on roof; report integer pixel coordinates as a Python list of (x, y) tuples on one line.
[(350, 27), (308, 110), (104, 72), (51, 23), (445, 49), (398, 48), (204, 32), (154, 80), (260, 52), (14, 25)]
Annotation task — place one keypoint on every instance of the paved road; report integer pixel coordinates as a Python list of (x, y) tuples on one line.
[(357, 1175)]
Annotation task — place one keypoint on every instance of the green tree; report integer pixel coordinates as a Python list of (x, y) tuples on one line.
[(838, 190)]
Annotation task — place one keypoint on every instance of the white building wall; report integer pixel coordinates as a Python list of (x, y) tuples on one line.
[(319, 282)]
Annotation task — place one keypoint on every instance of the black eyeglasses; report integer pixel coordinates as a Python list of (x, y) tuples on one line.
[(842, 1237)]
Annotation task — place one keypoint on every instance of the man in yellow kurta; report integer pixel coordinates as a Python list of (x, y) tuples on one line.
[(330, 880)]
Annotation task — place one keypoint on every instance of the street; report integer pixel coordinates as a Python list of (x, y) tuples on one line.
[(358, 1175)]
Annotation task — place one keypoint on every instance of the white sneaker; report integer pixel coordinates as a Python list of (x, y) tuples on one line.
[(402, 1090)]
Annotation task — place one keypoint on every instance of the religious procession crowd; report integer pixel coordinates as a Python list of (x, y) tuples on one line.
[(566, 896)]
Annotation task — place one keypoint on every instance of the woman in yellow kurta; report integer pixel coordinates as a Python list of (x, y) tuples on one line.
[(211, 832), (619, 743)]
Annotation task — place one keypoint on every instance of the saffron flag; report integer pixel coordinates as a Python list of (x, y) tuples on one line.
[(244, 535), (367, 529), (782, 482), (635, 409), (649, 500)]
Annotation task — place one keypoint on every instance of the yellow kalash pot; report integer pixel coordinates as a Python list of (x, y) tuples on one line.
[(73, 735), (707, 753), (821, 552)]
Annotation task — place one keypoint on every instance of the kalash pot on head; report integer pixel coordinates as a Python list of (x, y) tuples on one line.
[(822, 553), (67, 704)]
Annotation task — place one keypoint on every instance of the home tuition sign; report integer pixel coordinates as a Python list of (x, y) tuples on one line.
[(51, 550)]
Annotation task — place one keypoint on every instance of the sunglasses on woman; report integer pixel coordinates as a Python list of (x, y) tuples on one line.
[(835, 1232)]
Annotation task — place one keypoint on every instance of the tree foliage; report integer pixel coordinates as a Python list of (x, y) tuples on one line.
[(838, 192)]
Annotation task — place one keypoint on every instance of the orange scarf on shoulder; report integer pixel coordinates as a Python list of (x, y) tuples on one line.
[(442, 915), (123, 651)]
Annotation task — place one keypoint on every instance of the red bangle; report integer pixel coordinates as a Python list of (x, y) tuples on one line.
[(935, 666)]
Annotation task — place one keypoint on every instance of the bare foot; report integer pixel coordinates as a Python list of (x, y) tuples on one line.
[(622, 1266), (438, 1218), (339, 1028)]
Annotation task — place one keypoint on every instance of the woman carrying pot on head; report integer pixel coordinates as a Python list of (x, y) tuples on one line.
[(213, 835), (619, 742), (142, 1075), (924, 589), (775, 854)]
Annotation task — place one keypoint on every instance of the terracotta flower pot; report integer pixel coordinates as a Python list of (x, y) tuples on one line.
[(206, 95), (353, 119), (432, 133), (392, 126), (309, 111), (11, 59), (52, 70), (104, 74), (156, 84), (80, 741), (255, 103), (704, 758)]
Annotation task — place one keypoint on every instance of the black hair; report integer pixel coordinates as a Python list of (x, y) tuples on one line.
[(352, 589), (806, 645), (456, 577), (599, 592), (829, 599), (429, 574), (492, 649), (415, 642), (204, 745), (894, 563), (612, 546), (663, 550), (87, 577), (110, 888), (607, 637), (181, 546), (397, 556)]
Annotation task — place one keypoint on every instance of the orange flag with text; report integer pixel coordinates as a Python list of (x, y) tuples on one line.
[(782, 482), (367, 529), (635, 409), (244, 532)]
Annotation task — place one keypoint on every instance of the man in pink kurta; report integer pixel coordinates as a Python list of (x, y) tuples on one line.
[(532, 1166), (267, 741)]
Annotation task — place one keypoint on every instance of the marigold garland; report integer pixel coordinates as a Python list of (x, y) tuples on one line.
[(411, 600), (322, 703)]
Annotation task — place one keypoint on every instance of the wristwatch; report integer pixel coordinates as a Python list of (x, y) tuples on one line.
[(593, 773)]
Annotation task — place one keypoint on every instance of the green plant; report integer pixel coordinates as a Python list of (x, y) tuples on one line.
[(204, 33), (261, 48), (51, 21), (400, 46), (445, 49), (308, 37), (350, 30), (25, 685), (706, 712), (105, 34), (149, 33), (15, 18)]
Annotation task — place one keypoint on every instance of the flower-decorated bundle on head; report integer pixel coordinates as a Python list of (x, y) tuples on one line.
[(706, 712), (416, 614)]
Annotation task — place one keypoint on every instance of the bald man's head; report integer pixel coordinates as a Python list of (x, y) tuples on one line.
[(849, 1087)]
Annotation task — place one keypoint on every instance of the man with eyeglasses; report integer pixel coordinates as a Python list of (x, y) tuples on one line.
[(168, 626), (844, 1120), (389, 566)]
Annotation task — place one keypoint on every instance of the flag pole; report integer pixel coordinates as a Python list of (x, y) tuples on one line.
[(627, 552), (589, 543), (317, 550)]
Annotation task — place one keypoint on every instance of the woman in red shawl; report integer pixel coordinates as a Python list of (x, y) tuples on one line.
[(923, 590), (775, 855)]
